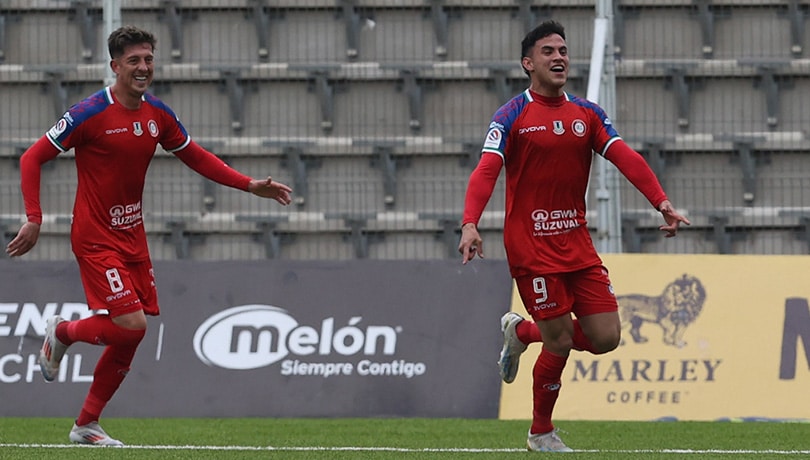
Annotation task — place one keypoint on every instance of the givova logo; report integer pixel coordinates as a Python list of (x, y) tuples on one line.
[(254, 336)]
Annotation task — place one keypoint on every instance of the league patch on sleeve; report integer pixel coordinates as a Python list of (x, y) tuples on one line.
[(493, 140), (57, 129)]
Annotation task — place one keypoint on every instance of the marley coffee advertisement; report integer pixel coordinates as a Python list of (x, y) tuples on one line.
[(705, 337), (273, 338)]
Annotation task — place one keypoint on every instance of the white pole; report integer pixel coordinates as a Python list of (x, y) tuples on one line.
[(600, 31), (602, 85), (112, 21)]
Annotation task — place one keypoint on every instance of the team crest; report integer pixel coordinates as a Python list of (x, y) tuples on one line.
[(558, 127), (579, 127), (153, 128), (136, 128)]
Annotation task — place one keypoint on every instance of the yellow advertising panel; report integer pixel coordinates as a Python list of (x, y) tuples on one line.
[(705, 337)]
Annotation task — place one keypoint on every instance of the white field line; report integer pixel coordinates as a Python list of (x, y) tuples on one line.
[(403, 449)]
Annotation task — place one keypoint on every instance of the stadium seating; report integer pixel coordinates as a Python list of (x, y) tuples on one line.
[(374, 112)]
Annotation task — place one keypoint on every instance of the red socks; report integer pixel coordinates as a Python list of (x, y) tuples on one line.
[(545, 388), (528, 332), (112, 366), (547, 373), (96, 330)]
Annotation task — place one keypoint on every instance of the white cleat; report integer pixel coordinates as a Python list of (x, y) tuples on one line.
[(93, 435), (509, 359), (52, 351), (546, 442)]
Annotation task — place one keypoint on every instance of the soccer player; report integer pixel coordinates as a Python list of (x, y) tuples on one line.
[(114, 134), (546, 138)]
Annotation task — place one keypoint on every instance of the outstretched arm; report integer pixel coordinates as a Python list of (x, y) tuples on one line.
[(632, 165), (268, 188), (672, 218), (212, 167)]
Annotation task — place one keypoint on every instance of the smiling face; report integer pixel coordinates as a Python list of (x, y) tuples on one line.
[(134, 70), (547, 65)]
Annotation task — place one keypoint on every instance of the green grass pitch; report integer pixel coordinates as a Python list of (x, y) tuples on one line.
[(401, 438)]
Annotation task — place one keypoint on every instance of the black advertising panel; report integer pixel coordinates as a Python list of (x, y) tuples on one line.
[(274, 338)]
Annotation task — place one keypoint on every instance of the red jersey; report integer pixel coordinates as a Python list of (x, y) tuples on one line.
[(547, 146), (113, 147)]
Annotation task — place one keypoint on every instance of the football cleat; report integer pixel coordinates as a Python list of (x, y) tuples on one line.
[(546, 442), (509, 359), (92, 434), (52, 351)]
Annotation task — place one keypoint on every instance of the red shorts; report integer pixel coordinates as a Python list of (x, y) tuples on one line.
[(584, 292), (117, 286)]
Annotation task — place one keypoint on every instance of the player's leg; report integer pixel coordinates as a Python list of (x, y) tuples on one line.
[(108, 286), (517, 329), (547, 382), (112, 366), (599, 326), (110, 371), (548, 300), (124, 334), (519, 332), (112, 285), (597, 330)]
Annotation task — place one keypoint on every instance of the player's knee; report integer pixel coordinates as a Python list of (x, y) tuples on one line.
[(606, 343), (130, 337), (560, 345), (138, 335), (132, 321)]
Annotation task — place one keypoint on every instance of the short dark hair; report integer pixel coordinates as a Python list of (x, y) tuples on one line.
[(545, 29), (126, 36)]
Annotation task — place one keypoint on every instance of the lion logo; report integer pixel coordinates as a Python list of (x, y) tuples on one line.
[(674, 310)]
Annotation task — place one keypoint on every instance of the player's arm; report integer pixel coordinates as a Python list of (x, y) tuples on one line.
[(30, 176), (632, 165), (213, 168), (479, 190)]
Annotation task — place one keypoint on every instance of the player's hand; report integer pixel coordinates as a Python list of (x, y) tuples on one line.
[(268, 188), (673, 219), (470, 244), (25, 240)]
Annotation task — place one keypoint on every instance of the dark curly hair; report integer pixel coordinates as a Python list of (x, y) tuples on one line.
[(126, 36)]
